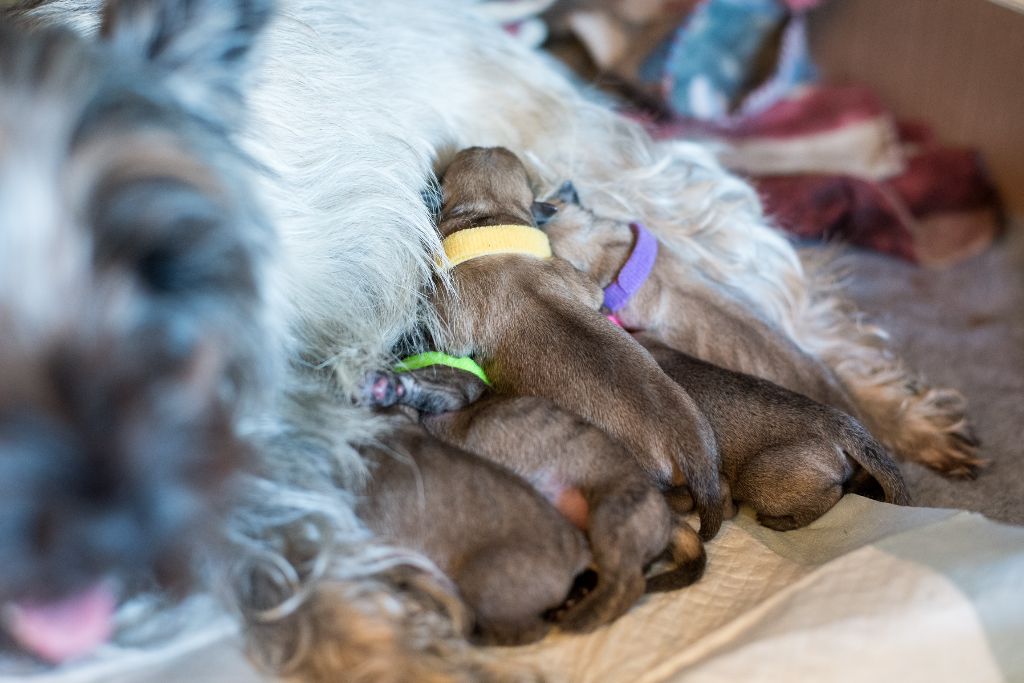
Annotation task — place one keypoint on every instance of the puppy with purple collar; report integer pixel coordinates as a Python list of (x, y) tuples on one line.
[(667, 302), (790, 455)]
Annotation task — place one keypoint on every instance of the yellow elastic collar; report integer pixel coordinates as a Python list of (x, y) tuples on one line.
[(473, 243)]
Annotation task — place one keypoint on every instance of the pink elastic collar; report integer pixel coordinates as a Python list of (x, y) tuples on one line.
[(634, 272)]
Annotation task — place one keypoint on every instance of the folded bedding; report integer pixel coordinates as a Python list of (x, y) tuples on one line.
[(869, 591)]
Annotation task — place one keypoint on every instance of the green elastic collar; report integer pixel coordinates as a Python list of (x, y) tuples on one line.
[(425, 360)]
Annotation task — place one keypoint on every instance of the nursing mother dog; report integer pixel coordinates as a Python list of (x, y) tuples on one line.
[(352, 108)]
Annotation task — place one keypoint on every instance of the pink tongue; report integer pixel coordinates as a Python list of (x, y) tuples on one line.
[(69, 628)]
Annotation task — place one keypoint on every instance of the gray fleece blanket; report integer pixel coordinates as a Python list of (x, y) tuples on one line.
[(961, 327)]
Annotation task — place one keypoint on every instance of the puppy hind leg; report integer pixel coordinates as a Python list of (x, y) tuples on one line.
[(686, 552), (509, 589), (627, 528), (874, 469), (788, 487), (616, 591)]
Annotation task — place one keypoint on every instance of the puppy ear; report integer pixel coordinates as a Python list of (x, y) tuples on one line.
[(567, 193), (200, 46), (542, 212)]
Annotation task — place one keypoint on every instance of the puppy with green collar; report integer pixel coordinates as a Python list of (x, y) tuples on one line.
[(585, 474)]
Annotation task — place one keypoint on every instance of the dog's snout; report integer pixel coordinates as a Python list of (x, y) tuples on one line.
[(65, 487), (105, 533), (102, 480)]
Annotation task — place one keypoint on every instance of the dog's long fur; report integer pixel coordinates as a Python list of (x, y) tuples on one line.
[(353, 107)]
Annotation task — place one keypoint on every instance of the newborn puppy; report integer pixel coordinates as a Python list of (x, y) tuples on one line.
[(697, 320), (512, 556), (789, 457), (534, 326), (587, 475)]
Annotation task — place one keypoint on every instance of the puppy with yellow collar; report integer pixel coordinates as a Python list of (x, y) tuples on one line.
[(532, 322)]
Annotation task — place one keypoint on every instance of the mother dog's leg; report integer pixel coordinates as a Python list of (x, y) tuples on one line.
[(918, 422)]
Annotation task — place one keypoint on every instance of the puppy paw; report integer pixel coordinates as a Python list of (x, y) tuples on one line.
[(680, 501), (381, 389), (610, 599), (779, 522)]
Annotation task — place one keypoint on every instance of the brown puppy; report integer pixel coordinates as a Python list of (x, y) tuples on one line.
[(587, 475), (511, 555), (694, 319), (533, 324), (789, 457)]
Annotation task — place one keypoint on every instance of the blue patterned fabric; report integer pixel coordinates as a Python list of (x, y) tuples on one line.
[(710, 63)]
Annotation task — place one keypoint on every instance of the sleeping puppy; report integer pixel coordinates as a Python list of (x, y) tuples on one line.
[(512, 556), (587, 475), (685, 315), (533, 324), (789, 457)]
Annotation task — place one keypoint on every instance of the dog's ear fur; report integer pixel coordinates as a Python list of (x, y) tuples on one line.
[(542, 212), (433, 197), (200, 46), (567, 193)]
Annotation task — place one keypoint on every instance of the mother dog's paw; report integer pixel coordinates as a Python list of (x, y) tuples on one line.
[(937, 433)]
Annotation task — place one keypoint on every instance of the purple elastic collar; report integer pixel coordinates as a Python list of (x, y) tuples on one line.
[(635, 271)]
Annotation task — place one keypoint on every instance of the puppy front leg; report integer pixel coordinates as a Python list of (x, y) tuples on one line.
[(589, 367)]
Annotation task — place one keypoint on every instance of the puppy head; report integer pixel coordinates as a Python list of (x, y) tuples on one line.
[(485, 186), (597, 246), (130, 261)]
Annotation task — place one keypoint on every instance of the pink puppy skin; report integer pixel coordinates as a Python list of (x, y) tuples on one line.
[(567, 499), (573, 507)]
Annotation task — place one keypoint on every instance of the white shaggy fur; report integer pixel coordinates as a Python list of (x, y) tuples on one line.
[(354, 105)]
